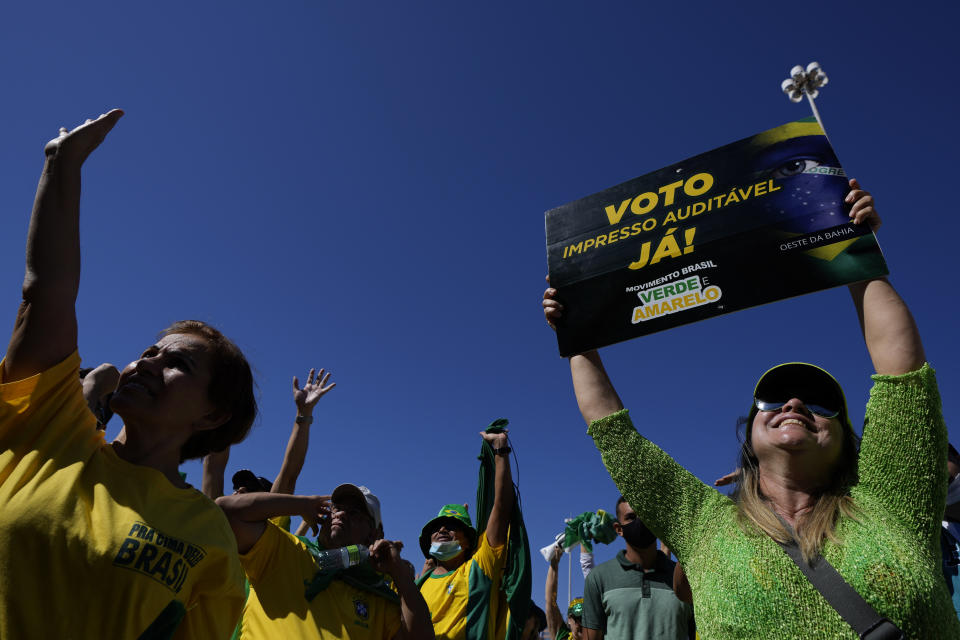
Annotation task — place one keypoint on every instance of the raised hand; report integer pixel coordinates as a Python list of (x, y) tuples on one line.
[(552, 310), (385, 558), (555, 556), (74, 146), (316, 511), (862, 209), (496, 440), (316, 387), (730, 478)]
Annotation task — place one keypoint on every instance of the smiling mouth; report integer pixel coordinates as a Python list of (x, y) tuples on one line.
[(800, 423)]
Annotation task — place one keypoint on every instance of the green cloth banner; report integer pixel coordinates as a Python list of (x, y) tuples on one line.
[(589, 527), (517, 582)]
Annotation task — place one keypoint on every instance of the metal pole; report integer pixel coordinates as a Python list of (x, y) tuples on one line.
[(569, 575), (816, 114)]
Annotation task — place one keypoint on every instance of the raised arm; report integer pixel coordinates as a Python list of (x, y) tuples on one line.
[(499, 520), (305, 399), (214, 466), (415, 622), (889, 330), (596, 396), (248, 512), (46, 327), (554, 615), (98, 386)]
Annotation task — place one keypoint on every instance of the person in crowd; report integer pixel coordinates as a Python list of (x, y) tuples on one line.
[(79, 515), (631, 596), (872, 514), (98, 385), (950, 531), (290, 598), (556, 628), (462, 588), (535, 624), (244, 480)]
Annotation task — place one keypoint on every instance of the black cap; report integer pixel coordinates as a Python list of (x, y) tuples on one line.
[(252, 483)]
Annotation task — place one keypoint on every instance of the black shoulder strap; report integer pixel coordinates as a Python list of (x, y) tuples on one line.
[(866, 622)]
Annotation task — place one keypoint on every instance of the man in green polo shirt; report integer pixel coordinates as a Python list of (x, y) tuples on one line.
[(631, 597)]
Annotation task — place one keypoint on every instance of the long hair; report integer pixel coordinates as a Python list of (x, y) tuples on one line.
[(812, 528)]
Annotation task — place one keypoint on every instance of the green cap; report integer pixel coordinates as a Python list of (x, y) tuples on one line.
[(452, 514), (575, 610)]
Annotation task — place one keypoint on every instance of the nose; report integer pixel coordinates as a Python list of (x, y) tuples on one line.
[(147, 364), (795, 405)]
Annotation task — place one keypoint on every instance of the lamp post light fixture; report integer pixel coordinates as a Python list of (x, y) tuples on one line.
[(805, 82)]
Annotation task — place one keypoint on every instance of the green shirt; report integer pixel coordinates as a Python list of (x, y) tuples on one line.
[(745, 586), (626, 602)]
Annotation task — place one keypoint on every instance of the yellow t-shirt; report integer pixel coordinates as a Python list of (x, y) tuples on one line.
[(92, 546), (278, 566), (470, 593)]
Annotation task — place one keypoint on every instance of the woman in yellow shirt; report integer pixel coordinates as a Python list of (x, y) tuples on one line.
[(97, 539)]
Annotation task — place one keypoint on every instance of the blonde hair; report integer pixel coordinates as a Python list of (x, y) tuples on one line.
[(815, 526)]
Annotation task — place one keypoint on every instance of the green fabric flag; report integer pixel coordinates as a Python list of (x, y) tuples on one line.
[(517, 580), (589, 527)]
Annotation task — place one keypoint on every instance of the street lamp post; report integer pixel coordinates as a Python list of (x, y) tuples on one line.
[(806, 82)]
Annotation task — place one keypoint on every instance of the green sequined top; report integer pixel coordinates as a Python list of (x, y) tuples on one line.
[(745, 585)]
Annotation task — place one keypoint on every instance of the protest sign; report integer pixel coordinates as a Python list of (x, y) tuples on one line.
[(755, 221)]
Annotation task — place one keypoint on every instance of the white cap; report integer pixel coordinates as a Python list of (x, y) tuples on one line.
[(363, 494)]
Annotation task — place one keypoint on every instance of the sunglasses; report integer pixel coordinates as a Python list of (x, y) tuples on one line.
[(818, 409)]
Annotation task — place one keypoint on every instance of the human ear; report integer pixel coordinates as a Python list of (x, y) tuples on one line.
[(212, 420)]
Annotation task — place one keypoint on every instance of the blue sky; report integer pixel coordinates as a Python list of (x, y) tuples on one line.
[(361, 187)]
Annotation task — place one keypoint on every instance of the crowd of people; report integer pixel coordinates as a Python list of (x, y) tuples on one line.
[(826, 535)]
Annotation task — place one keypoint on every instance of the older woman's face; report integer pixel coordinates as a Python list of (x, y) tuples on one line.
[(795, 428), (169, 385)]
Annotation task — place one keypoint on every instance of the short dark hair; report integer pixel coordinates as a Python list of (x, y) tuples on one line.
[(541, 617), (616, 509), (231, 390)]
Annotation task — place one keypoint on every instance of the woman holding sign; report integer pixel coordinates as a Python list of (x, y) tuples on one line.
[(97, 539), (864, 517)]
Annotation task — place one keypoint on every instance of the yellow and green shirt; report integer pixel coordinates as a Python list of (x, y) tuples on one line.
[(464, 604), (92, 546), (278, 567)]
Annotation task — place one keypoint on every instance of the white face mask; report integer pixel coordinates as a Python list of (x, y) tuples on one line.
[(445, 550)]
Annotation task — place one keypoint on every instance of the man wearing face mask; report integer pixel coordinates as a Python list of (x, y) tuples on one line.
[(631, 597), (462, 588), (950, 533)]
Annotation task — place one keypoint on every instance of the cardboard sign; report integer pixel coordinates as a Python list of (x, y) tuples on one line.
[(755, 221)]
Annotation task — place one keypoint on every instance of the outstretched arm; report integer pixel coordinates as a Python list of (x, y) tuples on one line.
[(46, 327), (305, 399), (248, 512), (889, 330), (499, 520), (596, 396), (554, 615)]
